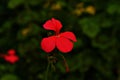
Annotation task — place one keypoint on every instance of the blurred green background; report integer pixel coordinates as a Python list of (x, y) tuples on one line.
[(96, 24)]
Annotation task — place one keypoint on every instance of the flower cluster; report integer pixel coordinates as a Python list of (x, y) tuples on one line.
[(63, 41)]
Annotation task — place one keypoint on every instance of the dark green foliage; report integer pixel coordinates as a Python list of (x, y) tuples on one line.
[(96, 24)]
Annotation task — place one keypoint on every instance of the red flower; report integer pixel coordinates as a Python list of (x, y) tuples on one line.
[(11, 57), (63, 41), (11, 52)]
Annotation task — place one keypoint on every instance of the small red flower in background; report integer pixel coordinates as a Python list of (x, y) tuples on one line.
[(11, 57), (11, 52), (63, 41)]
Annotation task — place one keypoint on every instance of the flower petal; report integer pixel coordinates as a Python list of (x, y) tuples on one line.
[(11, 58), (53, 24), (57, 24), (69, 35), (64, 44), (11, 52), (48, 44), (49, 25)]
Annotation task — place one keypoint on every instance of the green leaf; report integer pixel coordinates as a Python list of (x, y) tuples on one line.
[(34, 2), (78, 44), (7, 25), (14, 3), (85, 61), (104, 68), (103, 42), (90, 27), (24, 17), (9, 77), (91, 31), (106, 23), (2, 67), (61, 67), (113, 8), (35, 29)]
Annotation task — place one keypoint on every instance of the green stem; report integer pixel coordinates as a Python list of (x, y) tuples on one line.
[(65, 63), (46, 75), (53, 67)]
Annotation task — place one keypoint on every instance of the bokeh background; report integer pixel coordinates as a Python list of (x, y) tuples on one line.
[(96, 24)]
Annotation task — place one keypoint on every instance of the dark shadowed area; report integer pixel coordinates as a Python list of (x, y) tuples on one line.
[(95, 56)]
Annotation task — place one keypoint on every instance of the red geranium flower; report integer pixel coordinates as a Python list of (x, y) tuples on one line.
[(63, 41), (11, 57), (11, 52)]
